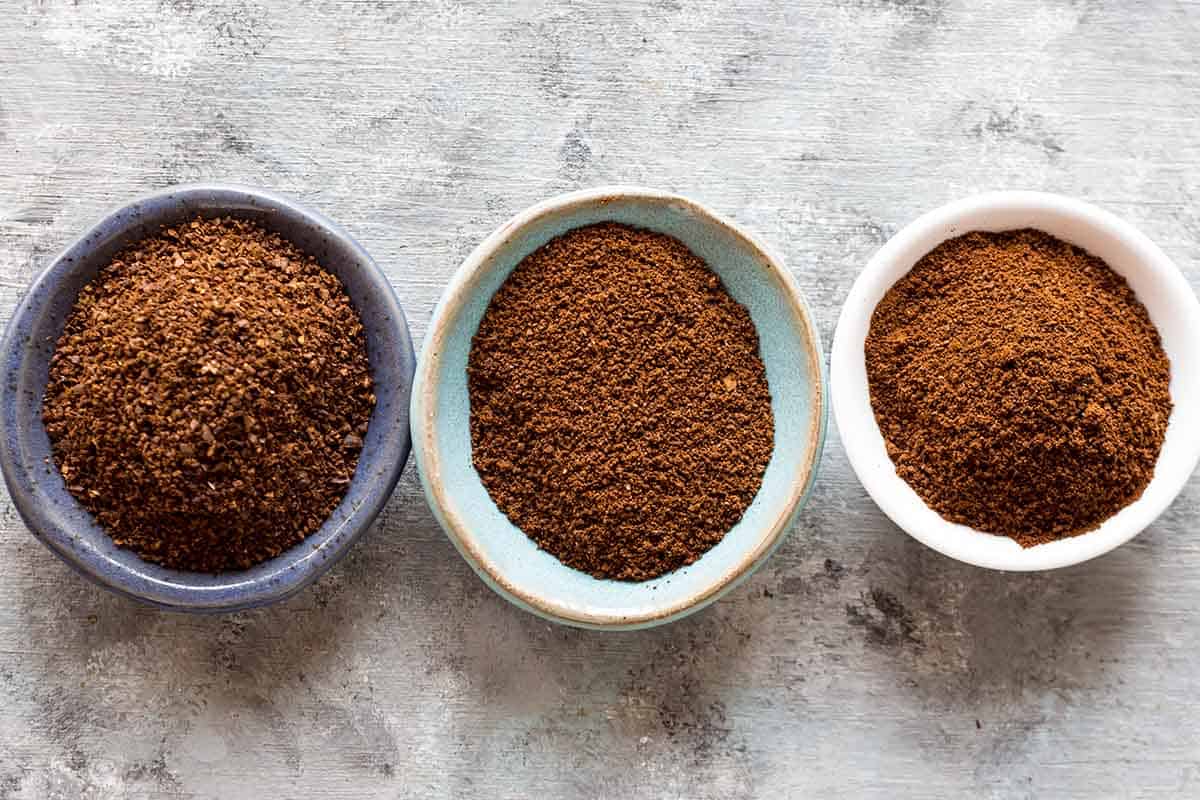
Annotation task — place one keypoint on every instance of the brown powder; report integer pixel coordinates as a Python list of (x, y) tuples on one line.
[(208, 397), (1020, 385), (620, 414)]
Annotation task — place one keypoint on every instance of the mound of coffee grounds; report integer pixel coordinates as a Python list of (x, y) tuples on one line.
[(620, 414), (1020, 385), (208, 397)]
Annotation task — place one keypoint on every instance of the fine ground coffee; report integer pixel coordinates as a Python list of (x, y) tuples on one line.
[(620, 414), (208, 397), (1020, 385)]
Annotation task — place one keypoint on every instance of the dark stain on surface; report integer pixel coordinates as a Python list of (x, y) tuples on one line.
[(671, 692), (217, 136), (792, 584), (65, 716), (9, 786), (76, 760), (549, 65), (378, 121), (714, 89), (228, 642), (35, 216), (928, 12), (366, 743), (872, 231), (1013, 125), (231, 139), (327, 590), (833, 571), (156, 772), (236, 28), (575, 154), (706, 726), (275, 721), (737, 66), (240, 28), (884, 618)]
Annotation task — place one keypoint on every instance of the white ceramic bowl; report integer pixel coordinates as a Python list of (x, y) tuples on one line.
[(499, 552), (1158, 284)]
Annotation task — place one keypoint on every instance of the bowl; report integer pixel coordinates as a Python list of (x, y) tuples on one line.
[(1159, 285), (504, 557), (62, 524)]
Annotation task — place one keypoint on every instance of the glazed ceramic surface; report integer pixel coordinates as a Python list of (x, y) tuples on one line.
[(1154, 278), (499, 552), (64, 526)]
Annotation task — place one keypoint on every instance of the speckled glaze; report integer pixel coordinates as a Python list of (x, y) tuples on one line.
[(64, 526), (500, 553)]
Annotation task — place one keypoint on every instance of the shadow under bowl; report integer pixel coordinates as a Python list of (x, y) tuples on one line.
[(69, 530)]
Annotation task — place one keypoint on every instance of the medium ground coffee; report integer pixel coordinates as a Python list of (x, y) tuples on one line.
[(208, 397), (1020, 385), (620, 414)]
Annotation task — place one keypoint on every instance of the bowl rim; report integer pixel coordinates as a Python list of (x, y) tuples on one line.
[(464, 283), (291, 574), (852, 408)]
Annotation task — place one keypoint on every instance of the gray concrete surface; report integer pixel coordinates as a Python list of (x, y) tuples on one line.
[(856, 663)]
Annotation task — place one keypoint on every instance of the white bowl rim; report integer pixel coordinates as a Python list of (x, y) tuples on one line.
[(862, 439), (424, 405)]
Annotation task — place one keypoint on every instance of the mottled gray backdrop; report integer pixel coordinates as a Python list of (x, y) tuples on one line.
[(856, 663)]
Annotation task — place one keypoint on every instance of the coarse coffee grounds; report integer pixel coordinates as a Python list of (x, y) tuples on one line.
[(1020, 385), (208, 397), (620, 414)]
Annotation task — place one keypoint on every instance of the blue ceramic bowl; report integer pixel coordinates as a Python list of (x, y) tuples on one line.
[(500, 553), (63, 525)]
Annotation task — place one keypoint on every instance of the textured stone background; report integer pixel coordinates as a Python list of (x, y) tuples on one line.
[(856, 663)]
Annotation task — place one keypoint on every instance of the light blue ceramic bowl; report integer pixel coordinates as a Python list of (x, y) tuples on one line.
[(500, 553), (63, 525)]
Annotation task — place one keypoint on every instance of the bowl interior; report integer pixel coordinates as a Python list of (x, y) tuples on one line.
[(1158, 284), (507, 559), (64, 525)]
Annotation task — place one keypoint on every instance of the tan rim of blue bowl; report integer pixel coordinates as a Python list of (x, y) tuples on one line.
[(501, 554)]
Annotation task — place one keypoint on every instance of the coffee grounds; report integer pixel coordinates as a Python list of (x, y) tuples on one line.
[(620, 414), (208, 397), (1020, 385)]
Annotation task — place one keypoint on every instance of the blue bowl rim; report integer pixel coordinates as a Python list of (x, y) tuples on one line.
[(296, 568), (424, 405)]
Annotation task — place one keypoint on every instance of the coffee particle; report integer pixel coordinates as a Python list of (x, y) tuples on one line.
[(182, 412), (1019, 384), (620, 413)]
